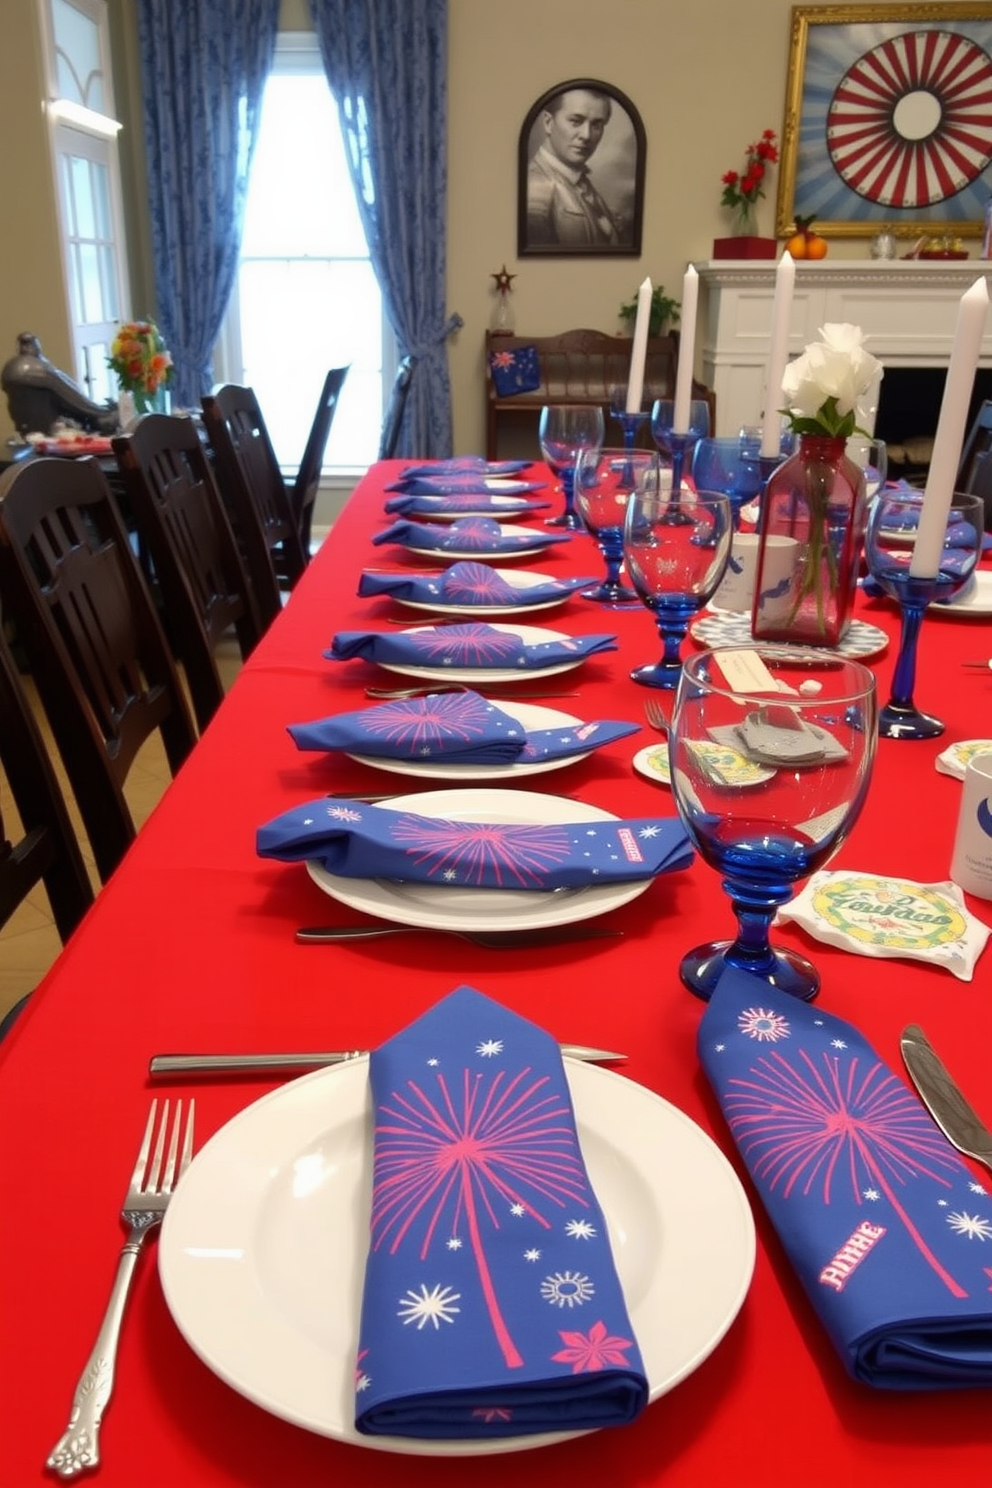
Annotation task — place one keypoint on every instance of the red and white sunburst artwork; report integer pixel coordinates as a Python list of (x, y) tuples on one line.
[(910, 123)]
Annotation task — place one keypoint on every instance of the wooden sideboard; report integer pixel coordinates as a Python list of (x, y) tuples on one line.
[(579, 366)]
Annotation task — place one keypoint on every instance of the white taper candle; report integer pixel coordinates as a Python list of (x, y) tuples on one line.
[(687, 352), (778, 353), (638, 351)]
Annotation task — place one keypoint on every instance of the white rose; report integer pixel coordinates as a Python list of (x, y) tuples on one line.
[(838, 367)]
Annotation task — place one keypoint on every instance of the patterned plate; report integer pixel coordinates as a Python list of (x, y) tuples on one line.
[(861, 640)]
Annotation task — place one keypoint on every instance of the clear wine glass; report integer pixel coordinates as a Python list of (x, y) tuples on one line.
[(675, 563), (678, 446), (564, 430), (604, 482), (873, 458), (890, 549), (771, 751)]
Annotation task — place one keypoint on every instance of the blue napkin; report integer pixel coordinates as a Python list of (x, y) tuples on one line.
[(491, 1305), (465, 464), (426, 503), (469, 583), (463, 485), (356, 840), (467, 535), (470, 645), (881, 1219), (452, 728)]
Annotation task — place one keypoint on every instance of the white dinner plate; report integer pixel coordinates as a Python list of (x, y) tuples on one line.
[(976, 599), (262, 1252), (528, 714), (447, 907), (522, 582), (538, 544), (531, 635), (734, 629)]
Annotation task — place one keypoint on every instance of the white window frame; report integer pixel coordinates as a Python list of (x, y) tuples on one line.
[(78, 131), (296, 51)]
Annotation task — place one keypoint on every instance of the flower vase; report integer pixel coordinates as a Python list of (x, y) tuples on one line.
[(145, 402), (814, 513)]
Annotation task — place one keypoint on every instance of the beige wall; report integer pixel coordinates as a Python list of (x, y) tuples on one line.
[(706, 76)]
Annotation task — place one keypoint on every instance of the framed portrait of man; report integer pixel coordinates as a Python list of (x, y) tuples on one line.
[(581, 173)]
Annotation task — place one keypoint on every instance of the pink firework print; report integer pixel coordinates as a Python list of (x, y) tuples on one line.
[(803, 1127), (476, 583), (467, 645), (423, 721), (521, 855), (463, 1156), (596, 1349)]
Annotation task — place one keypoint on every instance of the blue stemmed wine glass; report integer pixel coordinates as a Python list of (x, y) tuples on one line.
[(891, 552), (729, 464), (604, 482), (565, 429), (770, 751), (675, 563), (678, 446)]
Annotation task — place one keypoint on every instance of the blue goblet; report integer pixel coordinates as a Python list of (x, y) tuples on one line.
[(768, 785), (675, 565), (730, 465), (604, 482), (565, 429), (917, 579), (678, 444), (630, 420)]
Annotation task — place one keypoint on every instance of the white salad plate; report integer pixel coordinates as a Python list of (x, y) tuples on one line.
[(451, 907), (528, 714), (262, 1252), (530, 635), (538, 543), (521, 581), (975, 600)]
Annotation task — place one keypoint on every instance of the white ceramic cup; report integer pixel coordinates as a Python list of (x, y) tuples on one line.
[(736, 591), (971, 859)]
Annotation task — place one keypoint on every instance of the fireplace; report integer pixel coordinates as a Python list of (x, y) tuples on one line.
[(906, 308)]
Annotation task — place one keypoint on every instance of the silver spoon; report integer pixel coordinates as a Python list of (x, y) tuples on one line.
[(500, 940)]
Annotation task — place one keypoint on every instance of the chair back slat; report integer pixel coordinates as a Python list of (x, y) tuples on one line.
[(305, 487)]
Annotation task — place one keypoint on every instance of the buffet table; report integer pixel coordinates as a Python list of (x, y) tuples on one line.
[(191, 947)]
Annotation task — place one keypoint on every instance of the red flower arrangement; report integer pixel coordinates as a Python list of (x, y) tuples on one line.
[(741, 191)]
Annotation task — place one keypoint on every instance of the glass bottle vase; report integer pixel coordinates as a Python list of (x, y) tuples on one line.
[(814, 512)]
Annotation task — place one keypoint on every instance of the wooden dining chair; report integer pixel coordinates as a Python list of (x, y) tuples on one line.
[(393, 421), (975, 468), (255, 494), (46, 851), (88, 627), (303, 494), (204, 585)]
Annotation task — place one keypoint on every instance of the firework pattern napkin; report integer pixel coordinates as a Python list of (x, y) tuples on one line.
[(464, 465), (466, 535), (883, 1222), (452, 728), (492, 1305), (470, 645), (468, 583), (419, 502), (356, 840)]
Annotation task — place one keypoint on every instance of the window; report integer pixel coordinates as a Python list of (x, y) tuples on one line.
[(84, 144), (306, 297)]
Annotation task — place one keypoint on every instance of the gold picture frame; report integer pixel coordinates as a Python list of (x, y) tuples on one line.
[(887, 124)]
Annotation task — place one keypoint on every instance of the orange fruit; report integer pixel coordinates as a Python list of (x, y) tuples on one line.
[(816, 247), (797, 245)]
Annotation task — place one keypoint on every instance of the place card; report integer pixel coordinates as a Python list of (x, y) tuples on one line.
[(890, 918), (745, 671), (955, 759)]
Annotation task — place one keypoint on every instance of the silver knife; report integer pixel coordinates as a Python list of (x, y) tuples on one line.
[(238, 1064), (942, 1098)]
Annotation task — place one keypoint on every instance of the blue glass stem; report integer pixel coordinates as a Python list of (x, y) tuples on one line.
[(900, 718), (630, 423), (570, 518), (904, 676), (755, 909)]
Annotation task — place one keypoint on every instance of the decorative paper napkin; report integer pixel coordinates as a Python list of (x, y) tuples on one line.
[(491, 1305), (355, 840), (464, 465), (452, 728), (881, 1219), (456, 486), (466, 535), (424, 503), (890, 917), (469, 645), (468, 583)]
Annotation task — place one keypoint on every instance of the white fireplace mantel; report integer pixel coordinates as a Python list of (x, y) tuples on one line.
[(907, 310)]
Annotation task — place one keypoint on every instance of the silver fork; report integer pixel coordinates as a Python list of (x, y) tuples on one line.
[(146, 1201), (655, 715)]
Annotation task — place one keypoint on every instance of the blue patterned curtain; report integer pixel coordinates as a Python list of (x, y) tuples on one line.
[(386, 63), (204, 65)]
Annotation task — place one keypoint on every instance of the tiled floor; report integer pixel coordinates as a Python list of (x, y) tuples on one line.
[(29, 941)]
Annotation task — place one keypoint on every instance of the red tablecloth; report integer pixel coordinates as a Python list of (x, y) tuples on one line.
[(191, 947)]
